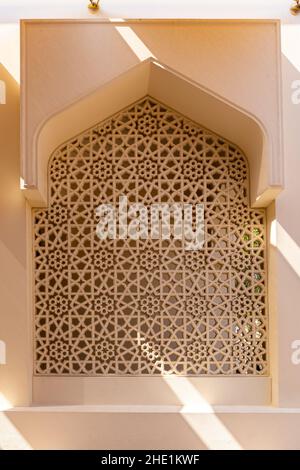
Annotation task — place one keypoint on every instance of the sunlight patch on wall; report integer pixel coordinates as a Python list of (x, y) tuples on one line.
[(10, 49), (4, 403), (289, 249), (273, 233), (10, 436), (135, 43), (200, 416), (290, 40)]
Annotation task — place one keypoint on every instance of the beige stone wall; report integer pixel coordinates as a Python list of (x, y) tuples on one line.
[(14, 320), (123, 428)]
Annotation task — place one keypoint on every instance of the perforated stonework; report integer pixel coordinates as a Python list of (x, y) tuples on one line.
[(149, 307)]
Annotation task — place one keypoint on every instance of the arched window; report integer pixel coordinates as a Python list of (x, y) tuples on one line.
[(149, 306)]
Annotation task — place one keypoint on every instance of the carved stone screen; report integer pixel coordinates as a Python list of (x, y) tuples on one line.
[(149, 307)]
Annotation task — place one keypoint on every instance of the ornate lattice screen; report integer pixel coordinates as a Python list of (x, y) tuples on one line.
[(149, 307)]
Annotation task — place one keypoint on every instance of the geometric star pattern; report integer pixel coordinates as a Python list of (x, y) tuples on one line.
[(149, 307)]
